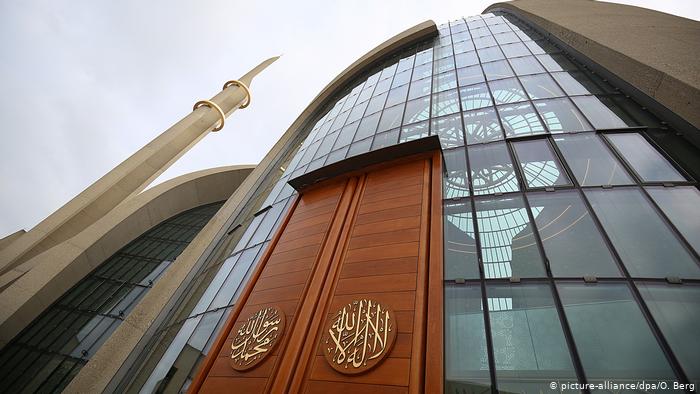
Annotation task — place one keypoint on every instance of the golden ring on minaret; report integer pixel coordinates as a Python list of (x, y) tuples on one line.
[(211, 104), (235, 82)]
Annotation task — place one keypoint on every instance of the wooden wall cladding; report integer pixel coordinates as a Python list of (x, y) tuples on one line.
[(366, 236)]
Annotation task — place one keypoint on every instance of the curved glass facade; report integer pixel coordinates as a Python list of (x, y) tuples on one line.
[(56, 345), (569, 235)]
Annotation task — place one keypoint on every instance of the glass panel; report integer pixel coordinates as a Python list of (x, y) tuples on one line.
[(382, 87), (682, 206), (600, 115), (556, 62), (423, 71), (591, 161), (540, 167), (526, 65), (482, 126), (644, 242), (561, 116), (675, 309), (419, 88), (367, 126), (613, 339), (649, 164), (417, 110), (449, 129), (376, 104), (455, 180), (460, 246), (356, 112), (491, 169), (470, 75), (497, 70), (401, 78), (443, 65), (385, 139), (346, 134), (519, 120), (360, 147), (396, 96), (508, 246), (475, 96), (541, 86), (466, 355), (414, 132), (391, 118), (506, 38), (515, 50), (464, 46), (445, 103), (490, 54), (444, 81), (483, 42), (466, 59), (529, 346), (571, 240), (576, 83), (507, 91)]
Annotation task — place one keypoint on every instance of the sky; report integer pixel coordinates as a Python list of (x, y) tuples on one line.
[(87, 83)]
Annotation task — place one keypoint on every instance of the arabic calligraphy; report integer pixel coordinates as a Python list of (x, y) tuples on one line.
[(255, 339), (359, 336)]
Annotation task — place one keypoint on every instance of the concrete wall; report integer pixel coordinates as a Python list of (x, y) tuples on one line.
[(654, 52), (38, 282)]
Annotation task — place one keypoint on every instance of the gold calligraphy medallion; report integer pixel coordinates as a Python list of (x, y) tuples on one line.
[(359, 336), (256, 338)]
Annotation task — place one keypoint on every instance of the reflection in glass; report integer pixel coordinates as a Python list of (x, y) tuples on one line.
[(470, 75), (539, 165), (556, 62), (526, 65), (391, 118), (466, 59), (675, 309), (460, 246), (642, 239), (466, 356), (414, 131), (475, 96), (449, 129), (541, 86), (612, 336), (571, 240), (444, 81), (490, 54), (591, 161), (682, 207), (455, 182), (385, 139), (445, 103), (417, 110), (396, 96), (649, 164), (482, 126), (491, 169), (507, 91), (367, 127), (519, 120), (419, 88), (508, 246), (598, 113), (497, 70), (561, 116), (515, 50), (529, 347)]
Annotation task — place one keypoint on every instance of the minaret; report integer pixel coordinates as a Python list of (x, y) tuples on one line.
[(131, 176)]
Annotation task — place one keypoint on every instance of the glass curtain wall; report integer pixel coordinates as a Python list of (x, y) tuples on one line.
[(556, 203), (51, 351)]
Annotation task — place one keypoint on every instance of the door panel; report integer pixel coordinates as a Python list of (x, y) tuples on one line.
[(360, 236)]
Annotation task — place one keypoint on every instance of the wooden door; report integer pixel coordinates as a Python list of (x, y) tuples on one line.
[(372, 238)]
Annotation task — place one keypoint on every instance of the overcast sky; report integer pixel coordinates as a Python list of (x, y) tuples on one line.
[(87, 83)]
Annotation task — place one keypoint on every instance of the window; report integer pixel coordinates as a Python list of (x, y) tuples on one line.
[(470, 75), (515, 50), (449, 129), (466, 59), (613, 339), (417, 110), (561, 116), (396, 96), (529, 347), (475, 96), (507, 91), (675, 309), (391, 118), (497, 70), (576, 83), (682, 206), (482, 126), (460, 245), (590, 161), (644, 159), (508, 245), (598, 113), (491, 169), (520, 119), (541, 86), (571, 241), (419, 88), (540, 167), (445, 103), (466, 356), (526, 65), (455, 183), (444, 81), (644, 242)]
